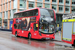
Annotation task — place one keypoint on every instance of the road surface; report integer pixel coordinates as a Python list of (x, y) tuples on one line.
[(10, 42)]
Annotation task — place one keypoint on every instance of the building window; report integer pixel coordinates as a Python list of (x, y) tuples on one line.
[(47, 5), (5, 24), (47, 0), (60, 8), (1, 1), (15, 3), (1, 8), (31, 4), (4, 1), (31, 0), (67, 1), (0, 14), (67, 9), (60, 1), (22, 3), (10, 5), (10, 13), (39, 0), (6, 14), (21, 9), (73, 9), (53, 0), (4, 7), (14, 11), (73, 2), (39, 4), (7, 6), (54, 7), (7, 0)]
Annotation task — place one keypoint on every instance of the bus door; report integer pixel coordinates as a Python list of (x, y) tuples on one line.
[(35, 30), (19, 30)]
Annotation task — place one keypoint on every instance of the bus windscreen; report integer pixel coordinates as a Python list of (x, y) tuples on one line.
[(46, 22)]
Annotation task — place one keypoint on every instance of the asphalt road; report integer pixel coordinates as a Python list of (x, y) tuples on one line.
[(10, 42)]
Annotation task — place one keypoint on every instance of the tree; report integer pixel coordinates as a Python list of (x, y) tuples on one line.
[(0, 18)]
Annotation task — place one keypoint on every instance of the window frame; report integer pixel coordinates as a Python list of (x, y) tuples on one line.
[(27, 13), (35, 27)]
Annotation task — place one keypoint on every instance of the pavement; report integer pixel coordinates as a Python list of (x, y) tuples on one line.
[(58, 37), (9, 42)]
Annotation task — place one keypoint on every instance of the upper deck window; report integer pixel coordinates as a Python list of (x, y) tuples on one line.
[(27, 13)]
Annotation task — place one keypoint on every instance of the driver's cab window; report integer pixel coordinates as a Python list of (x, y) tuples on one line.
[(44, 27), (35, 26)]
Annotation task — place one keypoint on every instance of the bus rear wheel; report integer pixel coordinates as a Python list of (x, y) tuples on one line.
[(16, 34), (29, 36)]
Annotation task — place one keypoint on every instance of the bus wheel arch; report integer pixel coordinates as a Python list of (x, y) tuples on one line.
[(29, 35)]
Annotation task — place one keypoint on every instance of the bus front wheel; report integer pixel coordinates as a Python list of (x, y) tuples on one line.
[(29, 36), (73, 44)]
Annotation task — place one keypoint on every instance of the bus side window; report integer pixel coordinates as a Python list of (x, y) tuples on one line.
[(15, 26), (20, 15), (19, 26), (24, 14), (35, 28), (35, 12), (17, 15)]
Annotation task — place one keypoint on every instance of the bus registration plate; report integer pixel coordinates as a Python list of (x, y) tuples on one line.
[(47, 38)]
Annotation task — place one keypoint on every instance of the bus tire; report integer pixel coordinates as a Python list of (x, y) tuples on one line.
[(16, 34), (73, 44), (29, 35)]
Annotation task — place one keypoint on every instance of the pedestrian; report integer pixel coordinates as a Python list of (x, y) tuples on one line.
[(59, 30)]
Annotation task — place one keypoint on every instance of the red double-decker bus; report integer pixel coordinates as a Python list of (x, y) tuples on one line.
[(37, 23)]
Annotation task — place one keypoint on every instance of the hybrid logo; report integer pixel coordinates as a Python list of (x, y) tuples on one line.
[(18, 20)]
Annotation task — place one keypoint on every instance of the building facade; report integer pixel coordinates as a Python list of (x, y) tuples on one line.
[(9, 7)]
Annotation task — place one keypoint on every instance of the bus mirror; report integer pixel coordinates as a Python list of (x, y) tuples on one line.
[(36, 25)]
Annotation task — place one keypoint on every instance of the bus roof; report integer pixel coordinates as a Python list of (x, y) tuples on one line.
[(30, 9)]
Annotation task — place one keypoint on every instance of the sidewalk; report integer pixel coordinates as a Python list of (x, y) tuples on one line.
[(58, 37), (5, 29)]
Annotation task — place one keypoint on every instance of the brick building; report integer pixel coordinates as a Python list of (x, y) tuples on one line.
[(9, 7)]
